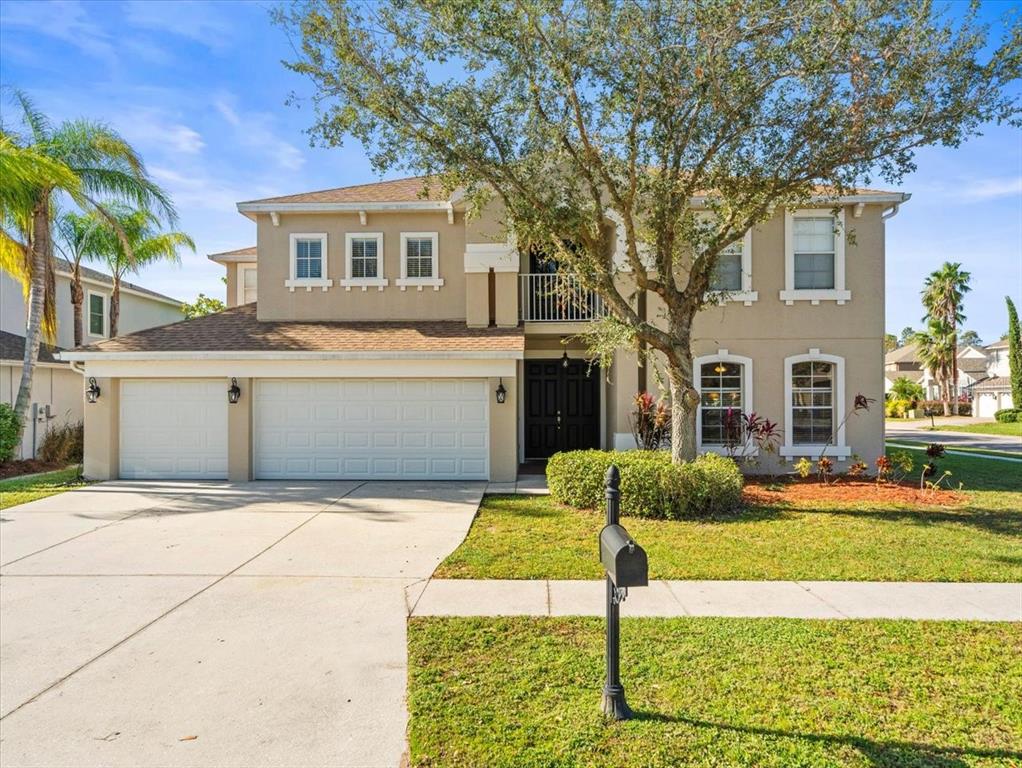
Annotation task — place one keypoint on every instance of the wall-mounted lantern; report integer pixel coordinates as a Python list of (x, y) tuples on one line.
[(501, 392), (564, 359), (92, 391), (234, 393)]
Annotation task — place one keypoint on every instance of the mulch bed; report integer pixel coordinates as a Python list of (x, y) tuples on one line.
[(11, 469), (845, 490)]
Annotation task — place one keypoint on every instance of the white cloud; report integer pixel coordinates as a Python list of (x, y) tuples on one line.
[(65, 20), (989, 189), (201, 22), (152, 129), (256, 131)]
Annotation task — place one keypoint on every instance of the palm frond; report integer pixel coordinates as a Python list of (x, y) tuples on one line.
[(37, 123)]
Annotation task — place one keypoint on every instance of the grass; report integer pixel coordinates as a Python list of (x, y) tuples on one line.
[(20, 490), (526, 537), (525, 692), (1009, 429)]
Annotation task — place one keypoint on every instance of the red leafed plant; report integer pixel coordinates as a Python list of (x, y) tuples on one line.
[(650, 422)]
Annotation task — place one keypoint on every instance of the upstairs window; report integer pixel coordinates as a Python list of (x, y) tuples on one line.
[(363, 256), (308, 262), (814, 252), (728, 276), (420, 260), (308, 259), (97, 314)]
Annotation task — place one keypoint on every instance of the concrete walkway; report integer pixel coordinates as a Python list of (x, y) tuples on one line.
[(215, 624), (783, 599)]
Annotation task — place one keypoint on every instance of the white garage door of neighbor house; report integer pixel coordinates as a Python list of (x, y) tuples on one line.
[(371, 429), (173, 429)]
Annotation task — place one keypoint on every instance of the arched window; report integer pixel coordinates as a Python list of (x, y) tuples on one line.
[(814, 393), (724, 383)]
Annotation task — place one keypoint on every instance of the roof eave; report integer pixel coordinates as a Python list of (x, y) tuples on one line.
[(499, 354), (232, 259)]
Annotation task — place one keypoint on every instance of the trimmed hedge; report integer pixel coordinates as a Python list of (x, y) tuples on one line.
[(8, 432), (651, 486), (1008, 415), (937, 406)]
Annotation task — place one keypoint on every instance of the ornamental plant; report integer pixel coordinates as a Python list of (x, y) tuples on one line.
[(650, 422), (743, 431)]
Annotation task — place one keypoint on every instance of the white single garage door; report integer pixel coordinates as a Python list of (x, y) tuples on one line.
[(371, 429), (173, 428)]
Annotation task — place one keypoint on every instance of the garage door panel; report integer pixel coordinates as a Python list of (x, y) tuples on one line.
[(364, 429), (173, 429)]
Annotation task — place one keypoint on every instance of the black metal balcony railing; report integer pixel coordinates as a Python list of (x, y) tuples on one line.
[(557, 298)]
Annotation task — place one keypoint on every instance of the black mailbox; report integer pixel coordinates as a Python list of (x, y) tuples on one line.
[(623, 559)]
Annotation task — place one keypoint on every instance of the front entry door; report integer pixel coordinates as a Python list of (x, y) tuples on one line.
[(562, 407)]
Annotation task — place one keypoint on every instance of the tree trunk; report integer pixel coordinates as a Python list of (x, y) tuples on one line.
[(41, 251), (946, 396), (684, 401), (954, 372), (115, 305), (77, 300)]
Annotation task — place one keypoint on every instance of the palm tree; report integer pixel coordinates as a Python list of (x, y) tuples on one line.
[(942, 297), (131, 242), (936, 349), (80, 235), (81, 159)]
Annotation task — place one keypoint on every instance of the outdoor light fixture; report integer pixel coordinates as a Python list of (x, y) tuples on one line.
[(564, 359), (92, 393), (234, 393), (501, 392)]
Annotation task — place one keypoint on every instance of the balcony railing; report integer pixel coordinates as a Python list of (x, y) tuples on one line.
[(557, 298)]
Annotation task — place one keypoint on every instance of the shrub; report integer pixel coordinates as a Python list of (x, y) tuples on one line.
[(8, 432), (1008, 415), (63, 445), (936, 407), (651, 486), (895, 408)]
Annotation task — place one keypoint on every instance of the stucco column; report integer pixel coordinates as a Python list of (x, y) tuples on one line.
[(477, 299), (239, 435), (101, 459), (503, 431), (506, 312), (621, 395)]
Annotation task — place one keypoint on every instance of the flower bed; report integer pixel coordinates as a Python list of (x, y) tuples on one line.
[(846, 490)]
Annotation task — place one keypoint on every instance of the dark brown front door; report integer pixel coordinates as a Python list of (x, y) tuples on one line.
[(562, 407)]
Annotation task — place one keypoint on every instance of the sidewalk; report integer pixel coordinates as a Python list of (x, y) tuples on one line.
[(782, 599)]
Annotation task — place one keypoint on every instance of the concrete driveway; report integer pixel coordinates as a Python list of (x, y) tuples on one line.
[(259, 624)]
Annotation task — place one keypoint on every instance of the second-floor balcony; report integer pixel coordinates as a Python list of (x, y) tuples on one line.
[(557, 298)]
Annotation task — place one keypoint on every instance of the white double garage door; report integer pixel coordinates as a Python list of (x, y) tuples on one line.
[(310, 429)]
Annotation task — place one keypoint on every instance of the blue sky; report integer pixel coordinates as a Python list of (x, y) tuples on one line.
[(199, 89)]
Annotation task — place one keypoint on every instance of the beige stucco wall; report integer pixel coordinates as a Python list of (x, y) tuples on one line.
[(58, 387), (102, 432), (278, 302), (239, 434)]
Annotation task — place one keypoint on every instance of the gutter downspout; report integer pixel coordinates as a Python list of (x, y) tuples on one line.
[(891, 212)]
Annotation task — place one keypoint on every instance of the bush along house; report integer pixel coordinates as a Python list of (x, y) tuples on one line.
[(376, 332)]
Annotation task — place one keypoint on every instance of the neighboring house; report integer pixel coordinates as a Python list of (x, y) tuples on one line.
[(982, 375), (57, 390), (392, 338)]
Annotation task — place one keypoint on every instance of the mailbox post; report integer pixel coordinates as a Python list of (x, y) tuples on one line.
[(626, 566)]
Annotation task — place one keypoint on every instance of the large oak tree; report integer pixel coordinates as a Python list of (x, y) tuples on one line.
[(576, 112)]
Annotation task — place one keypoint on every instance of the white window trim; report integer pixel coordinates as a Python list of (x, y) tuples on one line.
[(419, 282), (379, 282), (838, 293), (723, 356), (88, 314), (746, 295), (308, 283), (839, 449), (240, 287)]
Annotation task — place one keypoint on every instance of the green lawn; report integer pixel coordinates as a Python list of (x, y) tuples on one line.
[(1010, 429), (521, 692), (959, 448), (19, 490), (527, 537)]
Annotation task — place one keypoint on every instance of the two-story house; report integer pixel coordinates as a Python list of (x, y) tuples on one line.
[(56, 387), (376, 332)]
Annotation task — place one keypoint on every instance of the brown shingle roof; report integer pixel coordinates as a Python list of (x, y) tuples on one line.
[(12, 347), (249, 251), (408, 190), (904, 354), (993, 384), (238, 330)]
